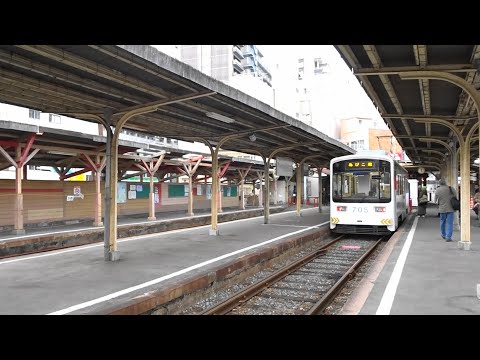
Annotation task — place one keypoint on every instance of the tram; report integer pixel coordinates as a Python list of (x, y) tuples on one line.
[(369, 194)]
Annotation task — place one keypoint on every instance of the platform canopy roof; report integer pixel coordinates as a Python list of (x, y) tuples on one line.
[(87, 81), (58, 147), (412, 107)]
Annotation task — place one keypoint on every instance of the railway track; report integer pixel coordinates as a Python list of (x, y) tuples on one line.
[(304, 287)]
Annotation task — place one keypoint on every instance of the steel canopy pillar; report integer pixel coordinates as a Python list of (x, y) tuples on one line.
[(151, 201), (21, 159), (266, 166), (190, 196), (275, 189), (320, 189), (242, 194), (287, 181), (98, 192), (18, 222), (219, 199), (110, 238), (260, 177), (465, 197), (243, 175), (454, 183), (214, 221), (110, 220), (299, 173)]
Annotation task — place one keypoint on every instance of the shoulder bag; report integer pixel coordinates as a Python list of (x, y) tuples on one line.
[(454, 201)]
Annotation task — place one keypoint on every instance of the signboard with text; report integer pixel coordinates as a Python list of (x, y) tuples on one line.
[(284, 166)]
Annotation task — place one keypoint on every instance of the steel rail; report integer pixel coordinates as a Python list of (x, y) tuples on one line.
[(237, 299), (322, 304)]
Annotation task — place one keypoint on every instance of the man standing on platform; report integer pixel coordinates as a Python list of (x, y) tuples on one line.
[(443, 194)]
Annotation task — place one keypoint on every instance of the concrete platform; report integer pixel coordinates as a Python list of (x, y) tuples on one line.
[(79, 281), (422, 274), (53, 238), (417, 272)]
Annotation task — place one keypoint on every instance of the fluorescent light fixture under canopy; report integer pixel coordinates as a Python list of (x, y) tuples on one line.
[(220, 117)]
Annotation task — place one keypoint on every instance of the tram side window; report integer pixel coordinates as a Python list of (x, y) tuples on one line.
[(385, 185), (374, 185), (401, 181)]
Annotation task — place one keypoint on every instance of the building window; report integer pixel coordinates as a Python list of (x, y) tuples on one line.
[(300, 73), (319, 66), (54, 118), (357, 145), (33, 114), (300, 69)]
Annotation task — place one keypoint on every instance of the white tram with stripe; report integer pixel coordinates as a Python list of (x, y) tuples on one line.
[(369, 194)]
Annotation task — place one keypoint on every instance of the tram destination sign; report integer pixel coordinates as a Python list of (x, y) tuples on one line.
[(361, 165)]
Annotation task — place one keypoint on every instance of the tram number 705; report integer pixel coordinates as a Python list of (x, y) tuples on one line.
[(360, 209)]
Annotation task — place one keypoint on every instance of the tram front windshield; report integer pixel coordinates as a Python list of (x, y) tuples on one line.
[(362, 181)]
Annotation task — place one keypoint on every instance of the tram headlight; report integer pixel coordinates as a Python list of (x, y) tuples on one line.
[(341, 208), (380, 209)]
